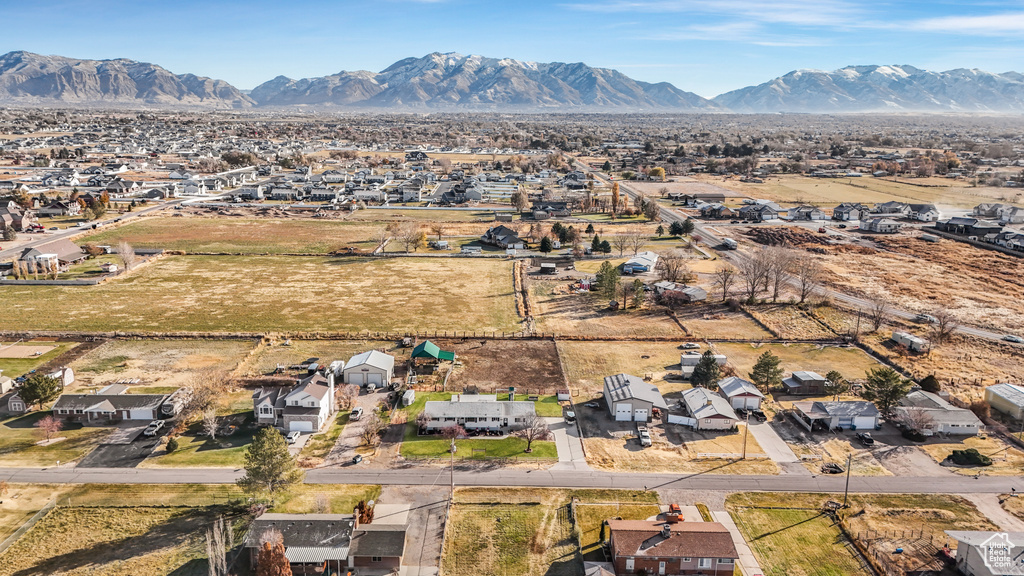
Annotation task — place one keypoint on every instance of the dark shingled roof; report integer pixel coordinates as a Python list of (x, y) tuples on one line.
[(383, 541), (687, 540)]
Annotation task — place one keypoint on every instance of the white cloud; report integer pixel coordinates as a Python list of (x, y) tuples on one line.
[(797, 12), (1008, 24)]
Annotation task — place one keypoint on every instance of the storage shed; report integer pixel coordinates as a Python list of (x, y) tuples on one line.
[(1006, 398)]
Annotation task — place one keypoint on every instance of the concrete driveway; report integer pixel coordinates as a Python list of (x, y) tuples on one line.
[(421, 509), (568, 444), (345, 448), (776, 448)]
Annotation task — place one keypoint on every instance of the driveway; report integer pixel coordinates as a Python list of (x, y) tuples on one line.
[(776, 448), (568, 444), (748, 562), (345, 448), (423, 510), (125, 447)]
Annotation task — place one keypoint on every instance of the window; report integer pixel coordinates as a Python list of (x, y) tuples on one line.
[(376, 559), (707, 420), (266, 409), (704, 563), (725, 560)]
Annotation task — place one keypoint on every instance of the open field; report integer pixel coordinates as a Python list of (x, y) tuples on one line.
[(587, 363), (240, 235), (22, 501), (704, 321), (588, 314), (18, 437), (15, 362), (1006, 460), (392, 215), (266, 360), (626, 455), (795, 189), (1013, 504), (493, 365), (851, 362), (790, 322), (163, 363), (262, 294)]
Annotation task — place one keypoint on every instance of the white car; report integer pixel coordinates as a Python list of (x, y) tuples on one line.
[(293, 437), (154, 427), (356, 414)]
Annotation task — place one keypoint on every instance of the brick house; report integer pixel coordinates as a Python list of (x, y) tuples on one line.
[(671, 549)]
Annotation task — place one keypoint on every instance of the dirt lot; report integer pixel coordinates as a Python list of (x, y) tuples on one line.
[(531, 366), (713, 321), (279, 293), (268, 357), (790, 322), (1006, 461), (157, 362), (850, 361), (587, 363), (17, 362), (559, 312)]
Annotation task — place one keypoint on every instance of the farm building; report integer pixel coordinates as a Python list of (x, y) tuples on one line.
[(680, 292), (912, 342), (1006, 398), (849, 414), (642, 262), (673, 549), (372, 367), (631, 399), (477, 411), (430, 351), (804, 383), (741, 393), (941, 417), (709, 410), (689, 360)]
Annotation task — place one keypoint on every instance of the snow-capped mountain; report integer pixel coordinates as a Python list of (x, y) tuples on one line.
[(881, 88), (452, 80)]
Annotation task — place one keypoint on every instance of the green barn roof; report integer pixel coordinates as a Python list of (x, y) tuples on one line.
[(428, 349)]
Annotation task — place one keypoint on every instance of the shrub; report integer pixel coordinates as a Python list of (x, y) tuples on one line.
[(981, 409), (172, 445), (930, 384), (733, 304), (913, 435), (970, 457)]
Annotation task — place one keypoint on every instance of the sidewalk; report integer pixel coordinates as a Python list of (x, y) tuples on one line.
[(748, 563)]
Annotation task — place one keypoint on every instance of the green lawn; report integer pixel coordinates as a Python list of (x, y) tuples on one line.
[(319, 445), (14, 367), (18, 437), (196, 450), (590, 517)]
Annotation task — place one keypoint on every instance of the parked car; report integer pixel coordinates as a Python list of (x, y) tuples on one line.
[(357, 459), (1013, 338), (690, 346), (741, 413), (594, 405), (734, 222), (832, 468), (356, 414), (154, 428), (842, 226), (645, 436), (759, 415), (865, 438), (821, 230), (293, 437), (54, 228), (928, 318), (570, 417)]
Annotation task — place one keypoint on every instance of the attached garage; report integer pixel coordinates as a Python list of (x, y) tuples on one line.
[(141, 414), (741, 393), (300, 426), (623, 412), (864, 422), (375, 379)]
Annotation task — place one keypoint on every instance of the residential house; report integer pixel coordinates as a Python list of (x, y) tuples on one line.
[(371, 367), (759, 212), (807, 213), (924, 212), (683, 548), (679, 292), (16, 217), (1003, 213), (984, 553), (804, 383), (842, 415), (317, 544), (119, 187), (58, 253), (892, 209), (503, 237), (109, 404), (709, 410), (642, 262), (703, 198), (740, 393), (849, 211), (1006, 398), (969, 226), (10, 402), (306, 407), (942, 417), (477, 412), (717, 211), (631, 399), (60, 208), (880, 225)]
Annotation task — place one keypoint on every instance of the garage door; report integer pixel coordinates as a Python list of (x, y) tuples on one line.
[(376, 379), (356, 378), (640, 414), (752, 404), (623, 412), (863, 423), (739, 402), (143, 414), (300, 426)]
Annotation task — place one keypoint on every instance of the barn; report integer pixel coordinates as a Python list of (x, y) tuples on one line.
[(631, 399), (372, 367)]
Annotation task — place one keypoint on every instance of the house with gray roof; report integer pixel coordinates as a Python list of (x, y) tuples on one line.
[(804, 383), (305, 407), (477, 412), (329, 543), (631, 399), (710, 411), (846, 414), (939, 416), (1006, 398), (740, 393), (110, 404)]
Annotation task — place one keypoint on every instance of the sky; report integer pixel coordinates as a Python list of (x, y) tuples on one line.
[(703, 46)]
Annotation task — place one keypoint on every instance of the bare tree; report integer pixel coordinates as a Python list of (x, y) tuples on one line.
[(779, 263), (945, 324), (673, 266), (533, 429), (210, 422), (220, 539), (808, 272), (916, 418), (637, 237), (50, 426), (347, 396), (725, 276), (520, 200), (878, 312), (754, 273), (411, 236), (438, 228), (126, 254), (381, 235), (372, 427), (321, 504), (621, 242), (445, 165)]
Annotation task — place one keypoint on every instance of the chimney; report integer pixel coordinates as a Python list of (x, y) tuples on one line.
[(708, 403), (666, 530)]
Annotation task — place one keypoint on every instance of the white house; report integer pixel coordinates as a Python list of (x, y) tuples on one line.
[(709, 410), (66, 376), (847, 414), (940, 417), (306, 407), (477, 411), (741, 393), (372, 367)]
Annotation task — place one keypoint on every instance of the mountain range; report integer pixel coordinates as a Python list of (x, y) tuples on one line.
[(439, 82)]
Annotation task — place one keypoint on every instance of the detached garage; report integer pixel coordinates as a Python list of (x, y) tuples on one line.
[(373, 367), (742, 394), (630, 399)]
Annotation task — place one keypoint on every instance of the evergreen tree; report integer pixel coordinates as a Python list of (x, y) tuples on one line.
[(930, 384), (607, 279), (766, 372), (269, 468), (545, 244), (271, 560), (707, 372), (595, 246), (675, 229), (40, 389), (835, 384), (607, 167), (885, 387), (660, 231), (606, 247), (688, 226), (590, 228)]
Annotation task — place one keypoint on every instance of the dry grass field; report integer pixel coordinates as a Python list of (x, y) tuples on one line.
[(157, 362), (22, 501), (240, 235), (835, 451), (706, 321), (790, 322), (277, 293), (587, 314), (587, 363), (531, 366), (449, 216), (626, 455), (851, 362), (1006, 460)]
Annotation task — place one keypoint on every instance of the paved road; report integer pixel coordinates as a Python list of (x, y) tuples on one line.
[(464, 476), (704, 235)]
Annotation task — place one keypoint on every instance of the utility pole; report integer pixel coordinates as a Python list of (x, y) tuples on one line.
[(846, 492), (452, 451), (746, 430)]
